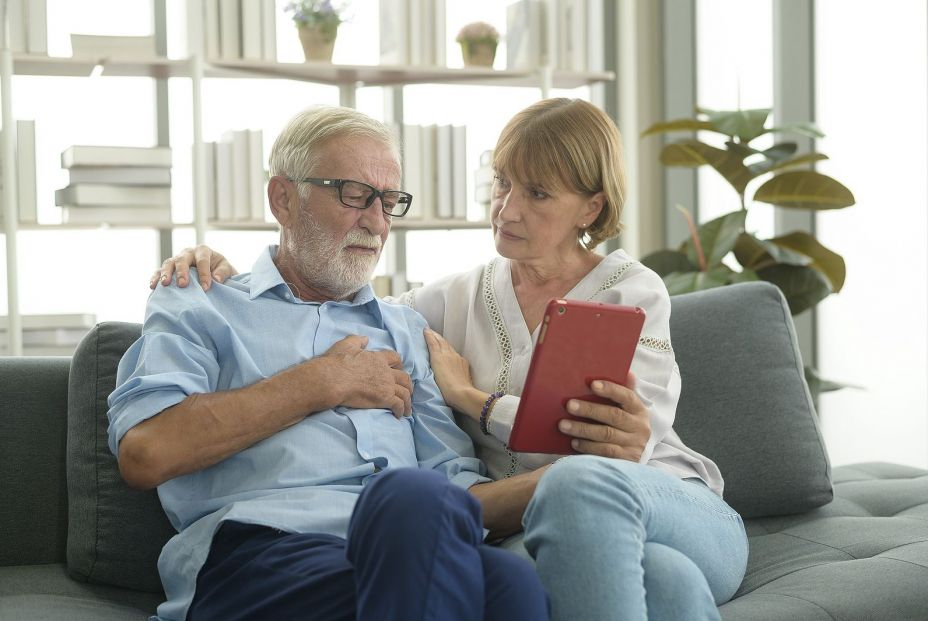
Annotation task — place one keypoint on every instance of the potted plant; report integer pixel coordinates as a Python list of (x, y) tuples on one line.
[(478, 44), (804, 269), (317, 23)]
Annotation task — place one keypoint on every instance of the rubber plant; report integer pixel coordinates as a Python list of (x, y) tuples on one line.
[(805, 270)]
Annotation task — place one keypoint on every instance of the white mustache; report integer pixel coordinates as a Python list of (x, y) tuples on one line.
[(357, 237)]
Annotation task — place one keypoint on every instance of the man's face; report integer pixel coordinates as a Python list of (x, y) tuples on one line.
[(337, 247)]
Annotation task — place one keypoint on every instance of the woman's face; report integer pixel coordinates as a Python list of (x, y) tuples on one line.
[(532, 222)]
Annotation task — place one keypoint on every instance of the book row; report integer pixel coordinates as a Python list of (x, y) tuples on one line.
[(435, 171)]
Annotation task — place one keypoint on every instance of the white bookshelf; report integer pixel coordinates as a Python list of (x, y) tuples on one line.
[(348, 78)]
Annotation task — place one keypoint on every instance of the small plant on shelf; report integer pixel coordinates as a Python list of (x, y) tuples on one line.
[(317, 23), (478, 44)]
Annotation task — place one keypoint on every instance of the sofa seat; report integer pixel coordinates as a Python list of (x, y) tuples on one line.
[(858, 557), (47, 593)]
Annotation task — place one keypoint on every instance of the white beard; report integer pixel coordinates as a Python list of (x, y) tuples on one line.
[(321, 261)]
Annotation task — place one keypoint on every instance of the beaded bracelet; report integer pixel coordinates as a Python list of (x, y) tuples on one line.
[(485, 412)]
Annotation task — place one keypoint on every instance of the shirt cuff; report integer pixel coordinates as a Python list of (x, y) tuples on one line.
[(128, 414), (502, 418)]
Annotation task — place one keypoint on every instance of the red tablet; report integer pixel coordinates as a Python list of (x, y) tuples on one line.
[(579, 342)]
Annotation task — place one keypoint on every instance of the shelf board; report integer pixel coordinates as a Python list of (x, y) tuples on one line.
[(398, 225), (323, 73)]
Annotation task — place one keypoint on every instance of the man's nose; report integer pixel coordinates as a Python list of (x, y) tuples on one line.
[(373, 219)]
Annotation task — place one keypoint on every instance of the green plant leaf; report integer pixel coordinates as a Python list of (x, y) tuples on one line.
[(717, 238), (790, 163), (755, 253), (680, 282), (745, 124), (803, 286), (668, 261), (745, 275), (678, 125), (804, 189), (826, 261), (780, 151), (803, 129), (694, 153), (818, 384)]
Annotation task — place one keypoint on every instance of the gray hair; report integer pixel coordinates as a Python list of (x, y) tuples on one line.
[(296, 151)]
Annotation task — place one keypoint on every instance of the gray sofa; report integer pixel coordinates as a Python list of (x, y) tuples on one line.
[(76, 543)]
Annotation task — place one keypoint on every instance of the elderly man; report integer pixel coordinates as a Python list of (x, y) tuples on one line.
[(293, 427)]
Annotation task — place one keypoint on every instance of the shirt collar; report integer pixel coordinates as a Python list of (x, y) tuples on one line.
[(265, 276)]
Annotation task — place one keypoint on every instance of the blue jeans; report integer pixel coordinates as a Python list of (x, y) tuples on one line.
[(613, 539), (414, 551)]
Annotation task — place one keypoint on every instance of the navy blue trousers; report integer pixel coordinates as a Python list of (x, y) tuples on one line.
[(414, 551)]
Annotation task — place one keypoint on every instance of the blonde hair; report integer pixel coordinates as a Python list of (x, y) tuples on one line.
[(568, 144), (297, 149)]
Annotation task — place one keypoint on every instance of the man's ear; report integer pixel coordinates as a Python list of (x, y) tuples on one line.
[(283, 198)]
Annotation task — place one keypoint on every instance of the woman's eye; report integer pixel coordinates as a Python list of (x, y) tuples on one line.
[(539, 194), (502, 183)]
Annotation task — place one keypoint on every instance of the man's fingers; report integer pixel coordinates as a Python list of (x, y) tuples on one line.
[(614, 392), (402, 378), (611, 415), (590, 447), (595, 432)]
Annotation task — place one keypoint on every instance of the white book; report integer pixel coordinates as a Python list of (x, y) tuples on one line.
[(143, 216), (36, 27), (595, 36), (444, 191), (196, 31), (394, 32), (549, 37), (91, 45), (459, 172), (256, 182), (16, 9), (418, 24), (55, 320), (572, 32), (121, 175), (230, 30), (225, 208), (53, 337), (211, 32), (108, 195), (25, 170), (428, 171), (241, 208), (93, 155), (438, 33), (251, 29), (525, 33), (412, 169), (268, 30), (209, 176)]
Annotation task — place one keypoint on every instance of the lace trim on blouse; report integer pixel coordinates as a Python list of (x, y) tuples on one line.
[(504, 343), (648, 342), (408, 298)]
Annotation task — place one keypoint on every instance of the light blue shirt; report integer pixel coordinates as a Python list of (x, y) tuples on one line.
[(307, 477)]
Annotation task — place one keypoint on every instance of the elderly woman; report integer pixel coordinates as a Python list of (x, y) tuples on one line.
[(635, 526)]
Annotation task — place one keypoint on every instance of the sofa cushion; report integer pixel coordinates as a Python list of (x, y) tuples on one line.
[(33, 498), (745, 403), (45, 592), (115, 533), (862, 556)]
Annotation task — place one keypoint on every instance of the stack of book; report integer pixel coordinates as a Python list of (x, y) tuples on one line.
[(25, 172), (412, 32), (233, 29), (116, 185), (571, 40), (236, 181), (435, 171), (28, 26), (49, 335)]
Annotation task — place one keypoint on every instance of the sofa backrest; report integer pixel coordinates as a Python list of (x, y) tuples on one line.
[(33, 494), (744, 404), (115, 533)]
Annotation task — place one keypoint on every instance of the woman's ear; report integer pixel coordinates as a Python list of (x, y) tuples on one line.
[(594, 206), (283, 198)]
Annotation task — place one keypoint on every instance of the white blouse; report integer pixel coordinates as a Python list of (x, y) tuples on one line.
[(477, 312)]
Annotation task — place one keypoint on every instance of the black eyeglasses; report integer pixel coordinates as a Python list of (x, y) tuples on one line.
[(359, 195)]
